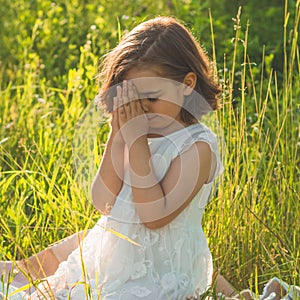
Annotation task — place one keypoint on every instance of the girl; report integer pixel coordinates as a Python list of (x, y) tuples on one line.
[(153, 183)]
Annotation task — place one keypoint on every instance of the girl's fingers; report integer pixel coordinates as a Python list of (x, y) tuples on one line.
[(132, 94), (125, 92), (119, 91), (125, 98), (127, 110), (133, 111), (128, 102), (114, 118), (115, 104), (139, 106), (118, 98), (121, 109), (120, 105), (131, 99), (136, 108)]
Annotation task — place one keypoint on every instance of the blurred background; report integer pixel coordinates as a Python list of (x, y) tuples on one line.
[(49, 57)]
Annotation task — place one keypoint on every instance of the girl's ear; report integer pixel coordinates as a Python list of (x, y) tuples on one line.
[(189, 81)]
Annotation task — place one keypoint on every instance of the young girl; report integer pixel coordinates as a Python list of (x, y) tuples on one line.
[(153, 183)]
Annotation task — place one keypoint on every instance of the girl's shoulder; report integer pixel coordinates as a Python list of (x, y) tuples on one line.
[(179, 141), (197, 133), (194, 130), (201, 133), (167, 148)]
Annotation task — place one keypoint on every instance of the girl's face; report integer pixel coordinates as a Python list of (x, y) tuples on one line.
[(161, 98)]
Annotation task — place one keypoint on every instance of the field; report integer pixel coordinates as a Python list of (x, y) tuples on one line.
[(49, 58)]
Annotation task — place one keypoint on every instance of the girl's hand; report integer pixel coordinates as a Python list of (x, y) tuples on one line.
[(132, 118), (115, 133)]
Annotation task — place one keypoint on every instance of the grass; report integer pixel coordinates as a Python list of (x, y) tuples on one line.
[(251, 222), (258, 199)]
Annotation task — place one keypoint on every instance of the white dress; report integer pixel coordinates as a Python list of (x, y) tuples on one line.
[(172, 262)]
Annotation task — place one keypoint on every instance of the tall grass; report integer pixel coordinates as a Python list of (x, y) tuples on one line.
[(252, 221), (252, 224)]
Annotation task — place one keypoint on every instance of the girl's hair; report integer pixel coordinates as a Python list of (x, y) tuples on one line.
[(166, 44)]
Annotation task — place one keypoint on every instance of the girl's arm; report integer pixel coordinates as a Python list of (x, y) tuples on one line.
[(158, 203), (109, 178)]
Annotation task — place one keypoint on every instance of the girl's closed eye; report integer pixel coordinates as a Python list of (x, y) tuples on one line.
[(152, 99)]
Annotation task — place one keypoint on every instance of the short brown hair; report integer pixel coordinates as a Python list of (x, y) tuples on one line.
[(166, 43)]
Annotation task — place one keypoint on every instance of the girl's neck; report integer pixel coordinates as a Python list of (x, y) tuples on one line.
[(160, 132)]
